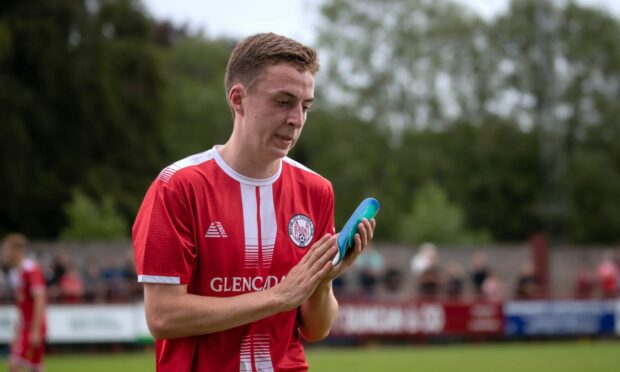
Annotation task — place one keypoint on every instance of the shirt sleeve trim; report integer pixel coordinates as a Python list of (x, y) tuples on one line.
[(159, 279)]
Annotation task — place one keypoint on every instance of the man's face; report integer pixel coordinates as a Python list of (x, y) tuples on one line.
[(9, 254), (275, 109)]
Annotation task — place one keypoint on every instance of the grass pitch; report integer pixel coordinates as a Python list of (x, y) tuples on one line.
[(598, 356)]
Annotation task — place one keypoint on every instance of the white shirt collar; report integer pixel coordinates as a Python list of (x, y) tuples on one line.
[(240, 177)]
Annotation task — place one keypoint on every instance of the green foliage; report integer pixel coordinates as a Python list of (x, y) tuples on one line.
[(500, 110), (196, 113), (515, 116), (434, 218), (80, 106), (93, 220), (595, 192)]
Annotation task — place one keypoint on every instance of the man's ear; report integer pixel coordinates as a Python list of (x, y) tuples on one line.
[(236, 95)]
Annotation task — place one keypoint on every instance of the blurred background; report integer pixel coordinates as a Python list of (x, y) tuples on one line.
[(489, 131)]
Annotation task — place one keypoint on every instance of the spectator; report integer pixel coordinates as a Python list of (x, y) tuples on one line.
[(339, 285), (617, 260), (371, 266), (585, 283), (479, 272), (427, 253), (134, 289), (5, 288), (94, 285), (607, 274), (430, 280), (393, 279), (493, 288), (71, 286), (528, 286), (455, 281), (114, 276), (60, 264)]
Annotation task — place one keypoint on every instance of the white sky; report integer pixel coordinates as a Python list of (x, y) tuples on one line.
[(293, 18)]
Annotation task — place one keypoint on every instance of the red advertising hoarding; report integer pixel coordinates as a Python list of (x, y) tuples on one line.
[(418, 319)]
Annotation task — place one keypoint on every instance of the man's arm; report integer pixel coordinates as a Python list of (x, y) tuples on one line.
[(171, 312), (38, 314), (319, 312)]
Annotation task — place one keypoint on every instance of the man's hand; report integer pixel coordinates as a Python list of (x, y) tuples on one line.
[(304, 277), (34, 338), (365, 233), (319, 311)]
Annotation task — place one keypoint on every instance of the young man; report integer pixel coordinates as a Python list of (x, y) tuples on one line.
[(235, 244), (27, 281)]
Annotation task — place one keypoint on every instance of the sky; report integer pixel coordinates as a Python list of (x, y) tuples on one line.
[(294, 18)]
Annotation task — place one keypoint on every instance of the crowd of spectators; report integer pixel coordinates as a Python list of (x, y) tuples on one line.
[(83, 279), (434, 280), (90, 279)]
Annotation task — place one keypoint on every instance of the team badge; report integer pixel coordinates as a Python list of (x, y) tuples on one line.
[(301, 230)]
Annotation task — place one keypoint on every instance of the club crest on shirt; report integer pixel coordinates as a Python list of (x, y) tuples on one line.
[(301, 230)]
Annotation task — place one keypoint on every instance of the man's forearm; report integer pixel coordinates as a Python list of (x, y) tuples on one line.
[(38, 312), (191, 315), (318, 313)]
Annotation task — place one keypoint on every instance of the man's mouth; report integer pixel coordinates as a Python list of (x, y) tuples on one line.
[(284, 138)]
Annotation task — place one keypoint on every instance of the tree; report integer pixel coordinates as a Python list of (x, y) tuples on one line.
[(405, 63), (501, 111), (80, 107), (92, 220), (433, 218), (196, 113)]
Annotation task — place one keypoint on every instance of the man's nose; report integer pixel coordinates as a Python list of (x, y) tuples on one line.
[(297, 116)]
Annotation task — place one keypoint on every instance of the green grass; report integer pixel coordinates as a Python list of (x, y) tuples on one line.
[(599, 356)]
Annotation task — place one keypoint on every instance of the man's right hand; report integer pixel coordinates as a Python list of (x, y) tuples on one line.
[(304, 277)]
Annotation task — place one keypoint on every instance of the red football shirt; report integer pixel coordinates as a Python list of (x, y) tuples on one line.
[(224, 234), (27, 281)]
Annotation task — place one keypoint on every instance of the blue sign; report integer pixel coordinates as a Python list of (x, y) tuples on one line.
[(560, 317)]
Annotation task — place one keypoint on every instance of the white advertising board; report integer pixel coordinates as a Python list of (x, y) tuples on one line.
[(84, 323)]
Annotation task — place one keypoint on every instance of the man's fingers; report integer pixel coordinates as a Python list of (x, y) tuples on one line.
[(319, 249), (328, 256), (363, 233), (356, 251), (369, 229), (315, 246), (320, 274)]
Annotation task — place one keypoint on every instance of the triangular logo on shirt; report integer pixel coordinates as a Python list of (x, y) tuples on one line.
[(216, 230)]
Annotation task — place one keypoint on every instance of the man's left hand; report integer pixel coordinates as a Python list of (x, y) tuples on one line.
[(365, 233)]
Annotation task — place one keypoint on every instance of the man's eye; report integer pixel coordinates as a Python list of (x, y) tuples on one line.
[(283, 103), (307, 108)]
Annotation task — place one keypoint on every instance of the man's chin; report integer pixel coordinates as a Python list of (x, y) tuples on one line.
[(280, 153)]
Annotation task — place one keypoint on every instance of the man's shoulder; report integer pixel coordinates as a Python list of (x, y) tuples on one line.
[(309, 176), (185, 170), (29, 265)]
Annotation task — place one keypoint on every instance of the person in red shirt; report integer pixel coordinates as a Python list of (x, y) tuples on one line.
[(234, 245), (27, 281), (607, 274)]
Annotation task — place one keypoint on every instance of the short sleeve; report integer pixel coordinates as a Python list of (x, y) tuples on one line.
[(36, 282), (163, 240), (327, 225)]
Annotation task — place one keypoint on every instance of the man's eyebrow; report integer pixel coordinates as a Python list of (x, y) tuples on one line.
[(291, 95)]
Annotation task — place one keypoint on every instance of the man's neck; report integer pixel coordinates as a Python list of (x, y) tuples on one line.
[(244, 161)]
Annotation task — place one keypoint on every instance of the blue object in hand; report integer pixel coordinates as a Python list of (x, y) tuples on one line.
[(367, 209)]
